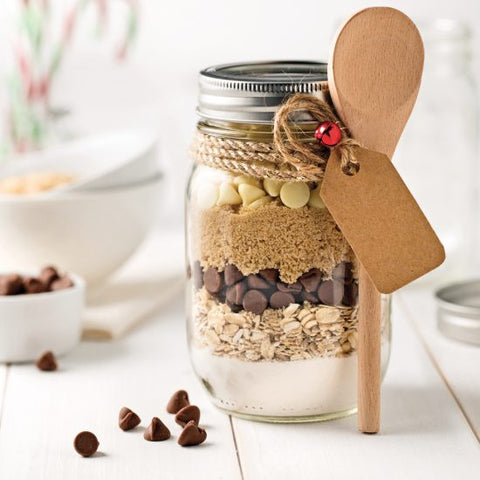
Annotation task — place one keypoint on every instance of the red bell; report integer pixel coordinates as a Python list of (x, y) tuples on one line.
[(328, 134)]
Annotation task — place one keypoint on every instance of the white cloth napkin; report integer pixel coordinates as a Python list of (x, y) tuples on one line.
[(149, 280)]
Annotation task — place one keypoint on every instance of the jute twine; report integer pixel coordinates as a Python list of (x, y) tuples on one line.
[(290, 157)]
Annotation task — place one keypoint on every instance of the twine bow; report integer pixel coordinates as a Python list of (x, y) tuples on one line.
[(300, 154), (290, 157)]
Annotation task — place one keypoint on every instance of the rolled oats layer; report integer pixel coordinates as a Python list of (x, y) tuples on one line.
[(295, 332)]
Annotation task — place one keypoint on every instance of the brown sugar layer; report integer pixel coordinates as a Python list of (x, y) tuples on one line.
[(293, 241)]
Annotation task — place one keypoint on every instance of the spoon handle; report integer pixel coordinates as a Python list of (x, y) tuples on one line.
[(369, 355)]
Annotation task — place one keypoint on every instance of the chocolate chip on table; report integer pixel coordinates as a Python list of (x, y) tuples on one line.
[(212, 280), (343, 272), (61, 283), (197, 274), (33, 285), (192, 435), (178, 400), (157, 431), (232, 274), (235, 293), (48, 274), (270, 275), (86, 444), (255, 301), (311, 280), (190, 413), (11, 284), (257, 282), (127, 420), (295, 287), (281, 299), (46, 362), (330, 292)]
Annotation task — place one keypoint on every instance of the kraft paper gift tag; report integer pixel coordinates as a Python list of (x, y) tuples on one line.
[(381, 220)]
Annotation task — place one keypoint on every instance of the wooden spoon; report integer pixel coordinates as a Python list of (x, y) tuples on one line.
[(374, 75)]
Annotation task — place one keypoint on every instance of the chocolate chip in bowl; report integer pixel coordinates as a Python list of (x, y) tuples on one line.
[(39, 312), (47, 362)]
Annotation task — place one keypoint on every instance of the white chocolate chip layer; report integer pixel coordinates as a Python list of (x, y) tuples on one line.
[(260, 202), (295, 194), (272, 187), (240, 179), (315, 201), (207, 195), (249, 193), (228, 195)]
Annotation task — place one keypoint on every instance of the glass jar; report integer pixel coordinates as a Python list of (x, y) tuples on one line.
[(448, 96), (273, 289)]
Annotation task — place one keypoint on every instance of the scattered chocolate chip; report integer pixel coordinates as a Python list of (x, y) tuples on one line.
[(86, 444), (270, 275), (33, 285), (350, 296), (330, 292), (47, 362), (343, 272), (197, 274), (61, 283), (235, 293), (255, 301), (212, 280), (192, 435), (127, 420), (311, 280), (281, 299), (157, 431), (188, 414), (11, 284), (257, 282), (289, 287), (178, 400), (48, 274), (232, 274), (309, 297)]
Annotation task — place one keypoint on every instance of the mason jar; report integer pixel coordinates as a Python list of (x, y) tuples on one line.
[(273, 284)]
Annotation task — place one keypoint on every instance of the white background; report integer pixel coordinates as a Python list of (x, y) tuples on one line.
[(157, 85)]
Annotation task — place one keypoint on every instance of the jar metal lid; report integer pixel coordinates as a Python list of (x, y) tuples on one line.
[(459, 311), (253, 92)]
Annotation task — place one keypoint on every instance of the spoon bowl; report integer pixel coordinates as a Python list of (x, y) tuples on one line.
[(375, 97)]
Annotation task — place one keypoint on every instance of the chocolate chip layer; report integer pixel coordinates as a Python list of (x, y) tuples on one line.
[(256, 292)]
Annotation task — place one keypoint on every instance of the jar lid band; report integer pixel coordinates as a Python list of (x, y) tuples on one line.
[(253, 92)]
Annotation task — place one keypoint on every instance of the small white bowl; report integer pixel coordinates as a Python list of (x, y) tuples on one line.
[(101, 161), (90, 233), (32, 324)]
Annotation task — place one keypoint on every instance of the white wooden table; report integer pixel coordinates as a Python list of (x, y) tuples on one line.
[(431, 414)]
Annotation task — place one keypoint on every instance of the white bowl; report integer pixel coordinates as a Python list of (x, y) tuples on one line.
[(32, 324), (91, 233), (97, 162)]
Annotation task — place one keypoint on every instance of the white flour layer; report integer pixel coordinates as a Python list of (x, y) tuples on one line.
[(299, 388)]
